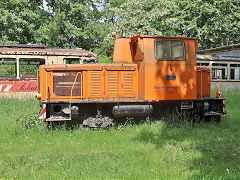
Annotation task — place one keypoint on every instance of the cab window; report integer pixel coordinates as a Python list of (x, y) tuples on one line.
[(137, 52), (169, 50)]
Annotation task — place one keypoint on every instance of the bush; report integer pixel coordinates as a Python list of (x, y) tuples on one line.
[(30, 119)]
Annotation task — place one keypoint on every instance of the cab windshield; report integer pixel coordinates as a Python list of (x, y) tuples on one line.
[(169, 50)]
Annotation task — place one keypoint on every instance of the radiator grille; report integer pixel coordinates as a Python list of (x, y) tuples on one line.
[(127, 84), (63, 82), (96, 83), (113, 83)]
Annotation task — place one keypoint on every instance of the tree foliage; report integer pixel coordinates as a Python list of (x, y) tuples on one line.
[(89, 23), (138, 17), (214, 22), (19, 19), (66, 24)]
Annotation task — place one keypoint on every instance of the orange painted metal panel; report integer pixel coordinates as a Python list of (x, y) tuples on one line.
[(203, 82), (157, 85), (127, 84), (96, 84), (122, 51), (112, 84), (107, 82), (121, 84)]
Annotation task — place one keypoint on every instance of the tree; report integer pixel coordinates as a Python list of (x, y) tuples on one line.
[(102, 18), (75, 23), (66, 24), (19, 20), (138, 17), (214, 22)]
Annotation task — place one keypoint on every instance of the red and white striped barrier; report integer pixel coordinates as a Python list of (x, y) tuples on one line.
[(43, 115), (224, 109), (5, 87)]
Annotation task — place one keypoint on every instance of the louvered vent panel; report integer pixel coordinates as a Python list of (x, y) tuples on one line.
[(113, 83), (96, 84), (128, 84)]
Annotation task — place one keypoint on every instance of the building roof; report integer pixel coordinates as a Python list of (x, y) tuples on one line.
[(39, 46), (212, 51), (217, 58), (163, 37), (32, 49)]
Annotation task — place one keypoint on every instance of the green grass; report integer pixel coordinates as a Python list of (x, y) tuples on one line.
[(147, 151)]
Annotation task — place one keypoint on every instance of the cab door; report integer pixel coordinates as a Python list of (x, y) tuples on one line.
[(170, 69)]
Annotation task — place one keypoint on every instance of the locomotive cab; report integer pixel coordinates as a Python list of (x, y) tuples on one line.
[(166, 65)]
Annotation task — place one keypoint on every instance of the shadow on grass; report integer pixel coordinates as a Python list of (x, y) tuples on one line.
[(218, 144)]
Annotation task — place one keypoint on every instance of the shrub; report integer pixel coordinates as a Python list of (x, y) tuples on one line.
[(30, 119)]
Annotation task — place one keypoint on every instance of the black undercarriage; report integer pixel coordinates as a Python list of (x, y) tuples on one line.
[(104, 115)]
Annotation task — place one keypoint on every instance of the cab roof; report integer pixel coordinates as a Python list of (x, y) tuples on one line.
[(163, 37)]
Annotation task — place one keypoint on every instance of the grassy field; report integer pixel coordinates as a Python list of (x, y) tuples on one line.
[(146, 151)]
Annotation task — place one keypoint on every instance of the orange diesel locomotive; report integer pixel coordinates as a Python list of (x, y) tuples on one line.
[(148, 74)]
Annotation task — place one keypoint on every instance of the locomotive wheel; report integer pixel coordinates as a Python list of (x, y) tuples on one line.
[(98, 122), (55, 124), (216, 119)]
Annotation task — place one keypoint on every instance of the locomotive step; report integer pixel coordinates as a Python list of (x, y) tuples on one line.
[(211, 113)]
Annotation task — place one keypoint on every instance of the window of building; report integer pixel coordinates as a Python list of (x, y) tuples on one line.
[(28, 67), (219, 64), (90, 60), (235, 71), (72, 61), (216, 72), (202, 64), (219, 69), (234, 65), (8, 67), (169, 50)]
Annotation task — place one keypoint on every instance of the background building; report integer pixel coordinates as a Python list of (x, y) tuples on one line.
[(224, 62)]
